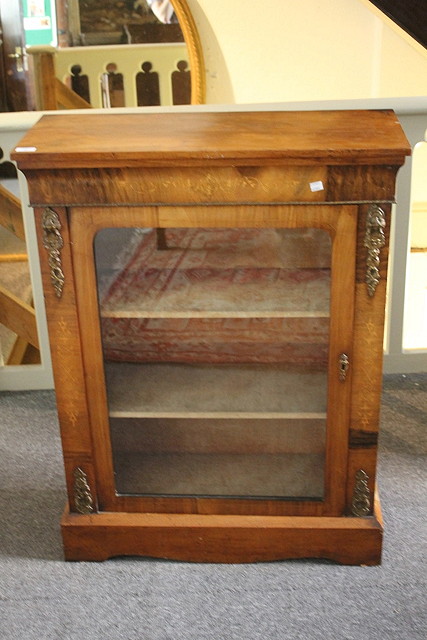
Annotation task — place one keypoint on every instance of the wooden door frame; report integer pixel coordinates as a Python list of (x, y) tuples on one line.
[(86, 222)]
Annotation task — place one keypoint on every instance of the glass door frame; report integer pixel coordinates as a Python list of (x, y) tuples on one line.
[(340, 221)]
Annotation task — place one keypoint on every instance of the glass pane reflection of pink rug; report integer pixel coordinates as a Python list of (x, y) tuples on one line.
[(221, 295)]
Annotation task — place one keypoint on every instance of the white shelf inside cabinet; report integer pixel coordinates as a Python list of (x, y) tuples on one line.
[(229, 391), (142, 314)]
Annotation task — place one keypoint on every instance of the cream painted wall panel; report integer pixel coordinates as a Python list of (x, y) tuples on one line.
[(280, 50), (403, 66), (418, 227), (419, 173)]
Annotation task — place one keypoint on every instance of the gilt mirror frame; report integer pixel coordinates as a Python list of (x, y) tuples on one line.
[(194, 47), (192, 41)]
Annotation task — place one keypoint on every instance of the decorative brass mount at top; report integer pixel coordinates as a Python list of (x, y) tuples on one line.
[(374, 241), (53, 243)]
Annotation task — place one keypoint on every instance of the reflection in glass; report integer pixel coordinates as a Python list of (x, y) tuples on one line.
[(211, 339)]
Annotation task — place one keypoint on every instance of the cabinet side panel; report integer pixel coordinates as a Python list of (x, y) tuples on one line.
[(368, 356), (64, 335)]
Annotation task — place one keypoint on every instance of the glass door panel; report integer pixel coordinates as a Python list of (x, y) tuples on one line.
[(215, 344)]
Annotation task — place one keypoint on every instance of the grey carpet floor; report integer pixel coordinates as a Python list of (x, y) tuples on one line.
[(43, 598)]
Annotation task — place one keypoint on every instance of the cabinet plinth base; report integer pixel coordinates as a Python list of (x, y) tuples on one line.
[(219, 538)]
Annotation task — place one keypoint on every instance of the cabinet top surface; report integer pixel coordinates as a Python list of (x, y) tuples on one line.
[(160, 139)]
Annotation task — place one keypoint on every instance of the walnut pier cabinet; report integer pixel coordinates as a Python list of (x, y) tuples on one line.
[(215, 287)]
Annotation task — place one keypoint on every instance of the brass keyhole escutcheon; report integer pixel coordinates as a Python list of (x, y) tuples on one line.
[(344, 364)]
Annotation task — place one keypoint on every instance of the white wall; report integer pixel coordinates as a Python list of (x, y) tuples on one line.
[(419, 197), (281, 50)]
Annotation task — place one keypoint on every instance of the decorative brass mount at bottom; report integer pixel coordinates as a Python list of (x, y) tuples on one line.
[(361, 503), (83, 500)]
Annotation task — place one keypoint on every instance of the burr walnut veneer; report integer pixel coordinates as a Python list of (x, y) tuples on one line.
[(215, 287)]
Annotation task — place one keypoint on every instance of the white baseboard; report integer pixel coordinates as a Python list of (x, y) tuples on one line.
[(406, 363)]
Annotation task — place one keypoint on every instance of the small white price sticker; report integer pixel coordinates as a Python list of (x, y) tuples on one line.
[(25, 149), (316, 186)]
